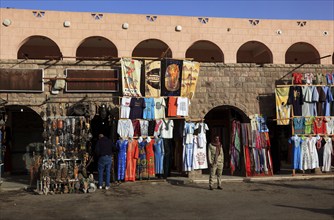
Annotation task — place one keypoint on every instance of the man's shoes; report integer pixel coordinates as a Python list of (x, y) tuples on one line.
[(100, 187), (107, 187), (210, 187), (219, 187)]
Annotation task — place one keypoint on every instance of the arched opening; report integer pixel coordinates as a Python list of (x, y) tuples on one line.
[(219, 120), (302, 52), (39, 48), (254, 52), (205, 51), (24, 128), (333, 58), (152, 48), (96, 47)]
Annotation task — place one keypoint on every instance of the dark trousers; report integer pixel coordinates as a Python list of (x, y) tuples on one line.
[(168, 157)]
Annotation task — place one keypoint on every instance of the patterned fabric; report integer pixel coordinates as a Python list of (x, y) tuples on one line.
[(282, 108), (171, 77), (131, 160), (131, 72), (152, 78), (121, 146), (299, 125), (150, 158), (190, 71), (142, 162), (297, 78)]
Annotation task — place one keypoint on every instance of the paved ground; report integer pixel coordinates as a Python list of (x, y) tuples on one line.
[(301, 199)]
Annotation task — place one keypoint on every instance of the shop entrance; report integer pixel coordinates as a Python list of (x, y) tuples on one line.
[(219, 120), (24, 129)]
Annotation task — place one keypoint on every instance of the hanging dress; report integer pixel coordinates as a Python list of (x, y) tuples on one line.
[(159, 156), (131, 160), (150, 158), (121, 146), (141, 162)]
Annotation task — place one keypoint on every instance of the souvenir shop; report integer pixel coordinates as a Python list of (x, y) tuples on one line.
[(306, 104)]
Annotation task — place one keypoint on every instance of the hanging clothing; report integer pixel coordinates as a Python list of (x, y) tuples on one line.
[(201, 128), (329, 125), (159, 155), (187, 154), (199, 156), (136, 127), (172, 106), (296, 145), (144, 127), (151, 126), (157, 128), (150, 158), (319, 126), (168, 155), (321, 101), (320, 150), (310, 97), (299, 125), (297, 78), (167, 127), (131, 160), (125, 128), (125, 107), (309, 125), (188, 132), (296, 99), (159, 110), (311, 145), (142, 162), (282, 108), (182, 106), (328, 151), (137, 106), (309, 78), (328, 100), (121, 146), (320, 79), (329, 78), (149, 108), (235, 146)]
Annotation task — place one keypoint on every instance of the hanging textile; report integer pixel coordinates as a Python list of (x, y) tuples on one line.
[(171, 77), (245, 143), (150, 158), (121, 146), (190, 71), (152, 78), (282, 108), (235, 146), (159, 155), (131, 160), (131, 72), (188, 146), (141, 162)]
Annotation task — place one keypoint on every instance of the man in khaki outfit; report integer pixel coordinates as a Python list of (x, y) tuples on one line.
[(216, 162)]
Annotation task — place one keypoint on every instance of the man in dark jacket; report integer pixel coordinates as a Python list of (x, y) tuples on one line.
[(104, 150)]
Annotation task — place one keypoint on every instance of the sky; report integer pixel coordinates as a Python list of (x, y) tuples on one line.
[(265, 9)]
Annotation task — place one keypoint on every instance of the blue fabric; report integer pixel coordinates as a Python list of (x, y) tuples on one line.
[(104, 164), (149, 109), (296, 144), (299, 125), (159, 156), (121, 146)]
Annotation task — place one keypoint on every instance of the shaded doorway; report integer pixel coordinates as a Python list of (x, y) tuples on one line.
[(302, 52), (254, 52), (152, 48), (205, 51), (219, 120), (96, 47), (25, 128)]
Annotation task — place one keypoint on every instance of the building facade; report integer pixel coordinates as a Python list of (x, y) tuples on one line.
[(241, 60)]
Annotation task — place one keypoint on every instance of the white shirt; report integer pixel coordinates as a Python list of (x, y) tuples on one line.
[(125, 107), (167, 127), (182, 106), (125, 128), (159, 108)]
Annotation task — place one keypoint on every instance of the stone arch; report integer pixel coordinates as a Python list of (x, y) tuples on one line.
[(205, 51), (302, 52), (40, 48), (152, 48), (254, 52), (96, 47)]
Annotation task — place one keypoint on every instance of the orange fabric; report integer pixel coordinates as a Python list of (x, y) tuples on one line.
[(172, 106), (150, 159), (131, 160)]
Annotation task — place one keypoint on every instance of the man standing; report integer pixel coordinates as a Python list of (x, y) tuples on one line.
[(216, 161), (103, 150)]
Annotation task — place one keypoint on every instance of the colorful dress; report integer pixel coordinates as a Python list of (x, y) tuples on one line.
[(141, 162), (150, 158), (131, 160)]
